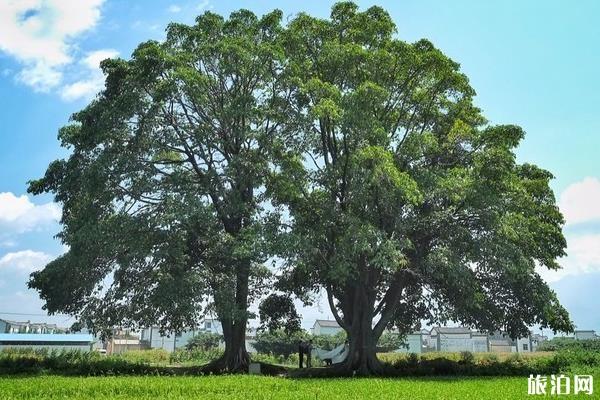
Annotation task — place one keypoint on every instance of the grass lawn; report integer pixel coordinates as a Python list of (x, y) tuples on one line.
[(255, 387)]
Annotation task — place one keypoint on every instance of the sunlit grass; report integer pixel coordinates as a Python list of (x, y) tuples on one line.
[(258, 387)]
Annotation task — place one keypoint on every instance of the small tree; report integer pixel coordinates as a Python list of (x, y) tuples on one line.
[(390, 341), (278, 312)]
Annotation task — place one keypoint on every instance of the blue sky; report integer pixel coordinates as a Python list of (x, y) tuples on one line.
[(532, 63)]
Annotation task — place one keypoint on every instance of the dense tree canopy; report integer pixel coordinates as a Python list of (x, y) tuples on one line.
[(404, 204), (161, 195), (392, 193)]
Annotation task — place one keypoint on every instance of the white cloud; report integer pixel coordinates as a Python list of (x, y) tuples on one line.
[(174, 9), (583, 256), (93, 81), (25, 261), (19, 214), (580, 202), (40, 34)]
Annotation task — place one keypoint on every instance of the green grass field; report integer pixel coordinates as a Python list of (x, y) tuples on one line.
[(254, 387)]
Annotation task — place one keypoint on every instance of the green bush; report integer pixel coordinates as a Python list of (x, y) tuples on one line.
[(466, 357), (390, 341), (204, 341), (28, 361), (569, 343)]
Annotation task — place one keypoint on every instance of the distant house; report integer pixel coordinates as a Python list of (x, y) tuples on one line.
[(57, 341), (586, 335), (458, 338), (122, 341), (501, 342), (326, 327), (7, 326), (169, 341), (212, 325)]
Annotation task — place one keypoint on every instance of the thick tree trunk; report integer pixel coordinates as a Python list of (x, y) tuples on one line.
[(236, 357), (362, 356), (234, 320)]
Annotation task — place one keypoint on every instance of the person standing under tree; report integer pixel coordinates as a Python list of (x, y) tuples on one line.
[(305, 348)]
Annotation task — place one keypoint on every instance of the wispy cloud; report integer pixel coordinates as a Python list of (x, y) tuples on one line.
[(40, 35), (25, 261), (580, 202), (93, 80), (19, 214), (583, 257)]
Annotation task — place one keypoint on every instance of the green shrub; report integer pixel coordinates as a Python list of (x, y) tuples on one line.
[(569, 343), (204, 341), (466, 357)]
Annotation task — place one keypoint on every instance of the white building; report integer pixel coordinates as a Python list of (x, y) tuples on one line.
[(326, 327), (501, 342), (152, 338), (585, 335), (7, 326), (57, 341), (454, 339)]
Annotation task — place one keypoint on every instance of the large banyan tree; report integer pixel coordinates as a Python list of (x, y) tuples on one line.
[(404, 204), (401, 202), (162, 191)]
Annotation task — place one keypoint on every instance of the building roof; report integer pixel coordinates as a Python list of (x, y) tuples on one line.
[(451, 330), (28, 323), (45, 337), (327, 323)]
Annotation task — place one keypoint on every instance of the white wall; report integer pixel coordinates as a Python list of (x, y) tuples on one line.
[(415, 344), (523, 349), (48, 347)]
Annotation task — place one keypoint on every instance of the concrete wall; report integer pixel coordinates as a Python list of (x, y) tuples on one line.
[(480, 344), (415, 344)]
